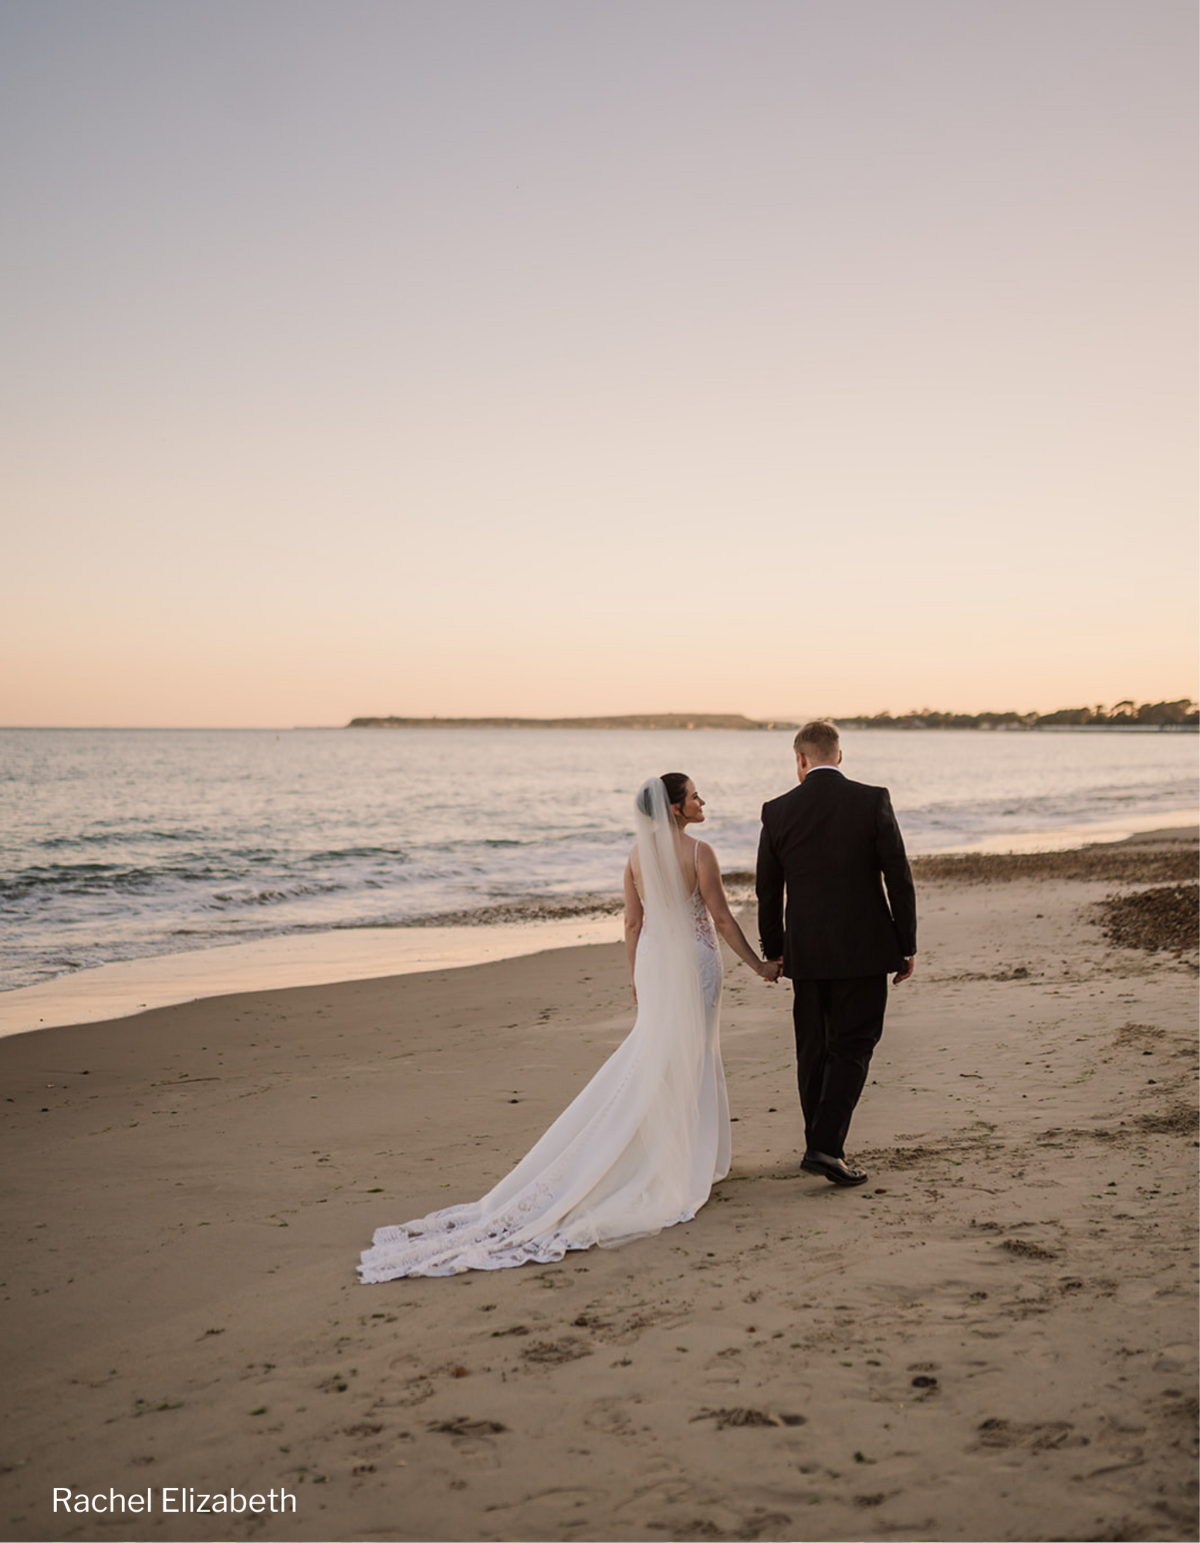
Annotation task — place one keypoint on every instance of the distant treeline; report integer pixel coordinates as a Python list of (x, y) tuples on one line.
[(1126, 714)]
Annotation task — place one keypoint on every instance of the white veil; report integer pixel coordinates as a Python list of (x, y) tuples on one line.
[(670, 995)]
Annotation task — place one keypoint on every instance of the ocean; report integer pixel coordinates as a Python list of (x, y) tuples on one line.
[(124, 844)]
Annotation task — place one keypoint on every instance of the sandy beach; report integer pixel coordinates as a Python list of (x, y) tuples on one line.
[(995, 1338)]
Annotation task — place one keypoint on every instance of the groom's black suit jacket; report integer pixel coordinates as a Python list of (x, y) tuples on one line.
[(833, 844)]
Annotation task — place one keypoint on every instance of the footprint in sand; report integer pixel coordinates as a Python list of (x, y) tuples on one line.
[(463, 1425), (414, 1390), (725, 1419), (611, 1416), (1003, 1435), (555, 1352), (1026, 1250)]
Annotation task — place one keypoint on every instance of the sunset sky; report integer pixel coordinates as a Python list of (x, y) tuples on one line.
[(557, 357)]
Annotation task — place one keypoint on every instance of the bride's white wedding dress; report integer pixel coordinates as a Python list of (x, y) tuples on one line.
[(641, 1147)]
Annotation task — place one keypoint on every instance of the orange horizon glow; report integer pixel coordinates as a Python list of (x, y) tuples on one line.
[(550, 361)]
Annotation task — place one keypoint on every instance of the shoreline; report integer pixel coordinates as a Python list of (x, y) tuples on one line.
[(121, 990), (995, 1338), (448, 941)]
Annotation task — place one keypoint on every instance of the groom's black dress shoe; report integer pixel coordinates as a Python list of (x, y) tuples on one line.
[(836, 1169)]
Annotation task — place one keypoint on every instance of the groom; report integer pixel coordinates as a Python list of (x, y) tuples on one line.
[(829, 843)]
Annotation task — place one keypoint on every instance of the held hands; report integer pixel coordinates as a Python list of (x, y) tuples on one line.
[(769, 971)]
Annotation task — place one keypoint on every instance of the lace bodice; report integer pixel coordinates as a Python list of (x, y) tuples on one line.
[(706, 933)]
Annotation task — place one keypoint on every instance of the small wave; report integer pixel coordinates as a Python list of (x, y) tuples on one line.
[(67, 843), (96, 879), (269, 896), (358, 854), (118, 835)]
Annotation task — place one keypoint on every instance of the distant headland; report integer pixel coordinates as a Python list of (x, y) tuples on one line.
[(635, 721), (1181, 714)]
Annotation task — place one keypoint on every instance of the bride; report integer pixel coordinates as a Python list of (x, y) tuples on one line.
[(641, 1146)]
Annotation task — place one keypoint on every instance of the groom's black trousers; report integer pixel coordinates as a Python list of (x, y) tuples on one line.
[(838, 1024)]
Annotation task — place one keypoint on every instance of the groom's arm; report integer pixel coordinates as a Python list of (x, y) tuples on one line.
[(897, 875), (768, 885)]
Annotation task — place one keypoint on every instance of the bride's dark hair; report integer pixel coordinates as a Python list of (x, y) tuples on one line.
[(676, 786)]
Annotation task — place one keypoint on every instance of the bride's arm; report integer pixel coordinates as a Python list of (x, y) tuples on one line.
[(712, 892), (634, 916)]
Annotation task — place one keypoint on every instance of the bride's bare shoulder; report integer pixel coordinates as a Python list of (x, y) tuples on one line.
[(707, 865)]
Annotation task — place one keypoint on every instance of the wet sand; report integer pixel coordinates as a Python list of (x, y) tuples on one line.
[(995, 1338)]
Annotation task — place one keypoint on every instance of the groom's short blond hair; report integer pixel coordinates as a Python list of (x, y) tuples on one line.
[(818, 740)]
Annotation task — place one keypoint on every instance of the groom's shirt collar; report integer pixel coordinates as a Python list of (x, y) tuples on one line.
[(822, 766)]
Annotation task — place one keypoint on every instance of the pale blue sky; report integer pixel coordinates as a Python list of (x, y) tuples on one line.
[(582, 356)]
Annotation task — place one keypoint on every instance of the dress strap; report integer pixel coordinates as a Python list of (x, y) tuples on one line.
[(697, 859)]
